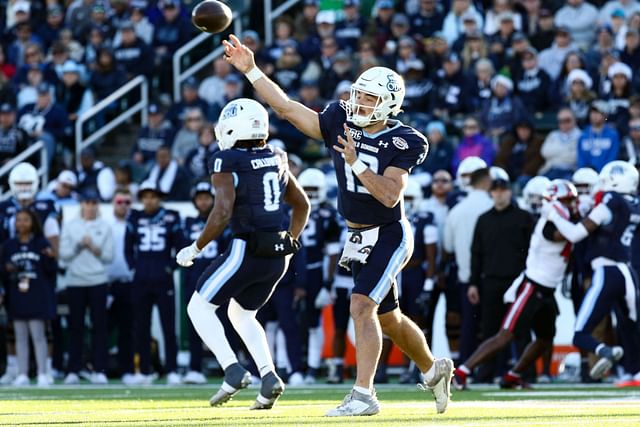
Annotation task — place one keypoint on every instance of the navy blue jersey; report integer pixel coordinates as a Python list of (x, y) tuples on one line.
[(322, 229), (193, 227), (400, 146), (42, 208), (260, 177), (613, 240), (36, 300), (151, 240)]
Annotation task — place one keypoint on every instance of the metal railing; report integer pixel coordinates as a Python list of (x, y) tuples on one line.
[(140, 106), (43, 170), (180, 76), (271, 15)]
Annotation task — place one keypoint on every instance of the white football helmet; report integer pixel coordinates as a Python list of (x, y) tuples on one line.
[(383, 83), (619, 176), (412, 196), (497, 172), (585, 180), (241, 119), (533, 192), (466, 168), (314, 183), (23, 181), (560, 190)]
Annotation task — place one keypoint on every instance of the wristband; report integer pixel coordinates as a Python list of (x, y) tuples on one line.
[(254, 74), (358, 167)]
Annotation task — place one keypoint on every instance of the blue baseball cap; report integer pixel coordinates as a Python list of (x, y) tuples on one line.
[(89, 195)]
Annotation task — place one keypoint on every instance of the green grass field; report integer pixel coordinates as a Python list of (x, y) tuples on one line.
[(400, 406)]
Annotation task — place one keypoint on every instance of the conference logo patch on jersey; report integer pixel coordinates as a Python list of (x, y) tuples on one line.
[(355, 133), (400, 143), (169, 217), (392, 83)]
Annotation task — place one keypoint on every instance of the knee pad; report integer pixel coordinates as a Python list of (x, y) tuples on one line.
[(237, 314), (197, 304)]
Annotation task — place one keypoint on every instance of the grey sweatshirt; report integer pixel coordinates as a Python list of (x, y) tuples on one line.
[(83, 267)]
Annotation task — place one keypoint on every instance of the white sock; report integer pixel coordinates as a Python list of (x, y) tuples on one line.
[(430, 374), (362, 390), (252, 334), (205, 321), (12, 362), (464, 369), (271, 329), (265, 370), (314, 350)]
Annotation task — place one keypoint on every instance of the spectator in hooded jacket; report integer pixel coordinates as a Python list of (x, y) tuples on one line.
[(440, 148), (533, 84), (87, 248), (579, 17), (156, 133), (171, 32), (133, 54), (473, 143), (108, 74), (519, 153), (448, 97), (503, 109), (29, 272), (552, 58), (599, 142)]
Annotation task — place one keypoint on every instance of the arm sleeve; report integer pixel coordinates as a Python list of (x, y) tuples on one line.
[(447, 244), (332, 115), (430, 234), (572, 232), (411, 157), (106, 183), (106, 249), (601, 214), (51, 227), (68, 247), (129, 244)]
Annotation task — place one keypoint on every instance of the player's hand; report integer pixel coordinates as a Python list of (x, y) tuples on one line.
[(299, 294), (348, 147), (238, 55), (473, 294), (323, 299), (185, 257), (48, 251)]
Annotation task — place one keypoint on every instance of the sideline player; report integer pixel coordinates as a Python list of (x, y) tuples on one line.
[(203, 198), (533, 305), (251, 181), (611, 226), (373, 156)]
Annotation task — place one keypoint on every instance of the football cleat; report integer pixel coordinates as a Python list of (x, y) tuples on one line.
[(235, 379), (440, 385), (510, 381), (270, 391), (194, 377), (460, 379), (356, 404), (608, 356)]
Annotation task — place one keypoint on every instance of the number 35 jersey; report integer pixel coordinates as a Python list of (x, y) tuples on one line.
[(151, 240), (260, 176), (399, 145)]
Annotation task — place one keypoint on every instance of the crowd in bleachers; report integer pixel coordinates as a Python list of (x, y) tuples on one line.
[(533, 87)]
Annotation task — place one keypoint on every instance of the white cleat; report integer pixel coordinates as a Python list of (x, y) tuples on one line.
[(137, 379), (9, 377), (194, 377), (98, 378), (21, 381), (174, 378), (72, 379), (440, 385), (608, 356), (44, 380), (309, 380), (356, 404), (296, 380)]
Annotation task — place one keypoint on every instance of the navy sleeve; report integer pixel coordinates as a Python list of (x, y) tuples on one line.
[(412, 156), (129, 244), (222, 162), (332, 116)]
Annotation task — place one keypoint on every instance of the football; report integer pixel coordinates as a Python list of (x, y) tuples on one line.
[(211, 16)]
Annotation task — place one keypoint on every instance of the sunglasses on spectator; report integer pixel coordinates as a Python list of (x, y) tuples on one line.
[(123, 201)]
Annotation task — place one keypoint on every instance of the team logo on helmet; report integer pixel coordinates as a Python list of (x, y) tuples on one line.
[(231, 111), (392, 83), (617, 170), (400, 143)]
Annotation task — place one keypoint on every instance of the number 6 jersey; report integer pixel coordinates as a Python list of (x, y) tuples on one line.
[(260, 176), (398, 145)]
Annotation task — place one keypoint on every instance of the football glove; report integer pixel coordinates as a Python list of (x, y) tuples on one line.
[(185, 257)]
